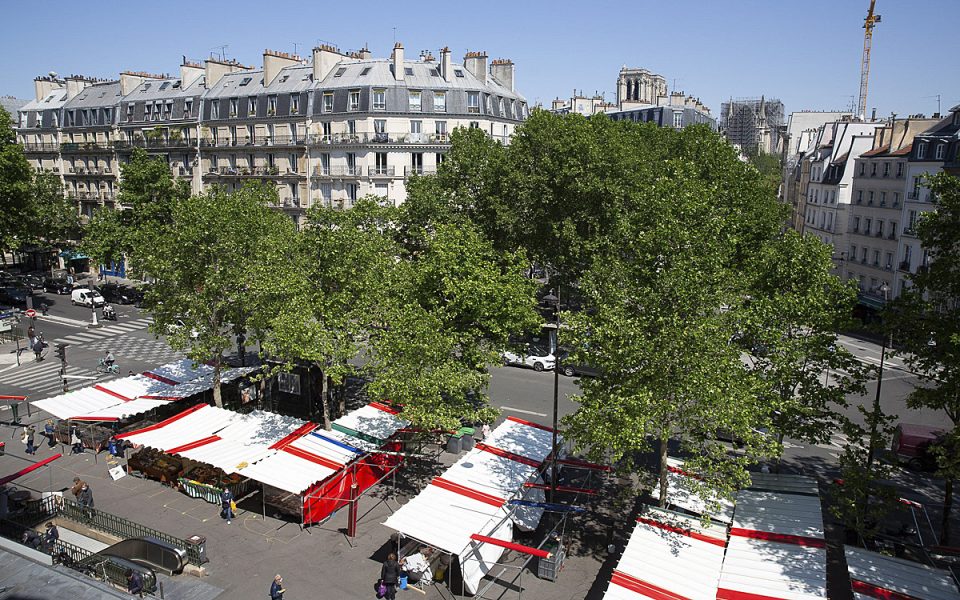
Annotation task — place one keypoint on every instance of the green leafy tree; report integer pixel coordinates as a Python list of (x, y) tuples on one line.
[(452, 304), (202, 255), (148, 193), (319, 290), (54, 218), (926, 323), (16, 187), (665, 306), (789, 334)]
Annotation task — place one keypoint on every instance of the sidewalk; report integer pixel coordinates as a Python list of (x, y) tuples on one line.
[(319, 561)]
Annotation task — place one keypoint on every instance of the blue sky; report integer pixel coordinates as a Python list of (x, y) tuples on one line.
[(807, 53)]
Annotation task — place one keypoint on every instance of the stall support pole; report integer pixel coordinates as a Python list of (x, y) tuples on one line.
[(263, 503), (352, 514)]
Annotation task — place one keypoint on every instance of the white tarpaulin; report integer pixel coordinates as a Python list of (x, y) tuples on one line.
[(471, 498), (776, 547), (82, 404), (874, 575), (669, 556), (372, 421), (198, 423), (685, 491)]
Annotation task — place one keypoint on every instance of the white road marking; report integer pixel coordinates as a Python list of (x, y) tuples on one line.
[(523, 412)]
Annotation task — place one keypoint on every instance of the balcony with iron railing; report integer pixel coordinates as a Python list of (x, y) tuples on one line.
[(149, 143), (379, 138), (381, 171), (264, 171), (88, 171), (246, 142), (408, 171), (92, 196), (84, 147), (40, 147)]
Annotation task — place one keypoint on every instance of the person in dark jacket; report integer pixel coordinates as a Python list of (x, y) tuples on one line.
[(134, 583), (50, 537), (226, 505), (50, 431), (85, 497), (277, 589), (390, 574)]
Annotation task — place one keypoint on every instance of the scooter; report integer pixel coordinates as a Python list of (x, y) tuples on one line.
[(109, 314)]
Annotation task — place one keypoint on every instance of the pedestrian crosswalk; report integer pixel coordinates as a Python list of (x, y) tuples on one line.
[(105, 332), (128, 349), (43, 378)]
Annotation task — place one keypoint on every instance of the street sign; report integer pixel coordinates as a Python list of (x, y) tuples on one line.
[(30, 313)]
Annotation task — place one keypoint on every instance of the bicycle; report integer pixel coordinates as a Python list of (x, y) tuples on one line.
[(103, 367)]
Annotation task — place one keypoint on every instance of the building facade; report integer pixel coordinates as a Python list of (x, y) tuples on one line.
[(637, 87), (328, 130), (677, 111), (879, 193)]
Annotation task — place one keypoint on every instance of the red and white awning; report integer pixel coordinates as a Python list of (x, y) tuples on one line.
[(874, 575), (471, 498), (669, 556), (776, 548)]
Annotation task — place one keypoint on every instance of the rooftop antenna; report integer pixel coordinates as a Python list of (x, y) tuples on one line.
[(223, 51), (937, 96), (295, 46)]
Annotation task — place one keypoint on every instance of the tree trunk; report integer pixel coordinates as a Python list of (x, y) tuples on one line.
[(342, 398), (324, 391), (664, 441), (217, 395), (947, 508)]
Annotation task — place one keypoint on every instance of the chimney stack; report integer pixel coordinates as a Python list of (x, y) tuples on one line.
[(397, 59), (275, 61), (364, 53), (446, 70), (325, 58), (75, 85), (44, 85), (189, 72), (476, 63), (502, 72), (215, 69)]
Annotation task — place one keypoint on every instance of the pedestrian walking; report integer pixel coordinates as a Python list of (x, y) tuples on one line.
[(31, 439), (390, 575), (50, 537), (227, 505), (276, 588), (134, 583), (50, 432), (76, 444), (30, 333), (85, 497), (38, 349)]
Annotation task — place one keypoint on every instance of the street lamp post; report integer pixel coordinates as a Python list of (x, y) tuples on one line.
[(554, 301), (875, 414)]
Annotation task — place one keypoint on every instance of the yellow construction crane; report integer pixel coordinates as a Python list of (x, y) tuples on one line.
[(868, 23)]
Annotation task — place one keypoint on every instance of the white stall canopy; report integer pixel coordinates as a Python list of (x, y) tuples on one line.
[(874, 575)]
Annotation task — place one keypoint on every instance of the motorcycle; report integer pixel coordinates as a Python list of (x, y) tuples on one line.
[(109, 314)]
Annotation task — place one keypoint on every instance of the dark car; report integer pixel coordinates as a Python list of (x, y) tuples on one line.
[(15, 295), (571, 369), (57, 286), (118, 294), (31, 280)]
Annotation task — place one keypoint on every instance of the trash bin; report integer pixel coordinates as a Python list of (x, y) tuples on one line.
[(467, 440), (454, 443), (197, 546), (549, 568)]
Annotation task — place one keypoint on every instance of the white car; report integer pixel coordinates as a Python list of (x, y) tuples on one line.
[(86, 297), (537, 358)]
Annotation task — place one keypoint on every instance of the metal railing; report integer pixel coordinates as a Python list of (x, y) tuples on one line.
[(67, 147), (180, 142), (243, 141), (41, 147)]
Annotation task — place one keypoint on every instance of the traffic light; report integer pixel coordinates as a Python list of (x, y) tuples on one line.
[(61, 353)]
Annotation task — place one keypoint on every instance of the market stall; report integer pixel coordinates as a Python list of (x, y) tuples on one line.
[(669, 555), (874, 575), (312, 475), (686, 491), (776, 548), (466, 512)]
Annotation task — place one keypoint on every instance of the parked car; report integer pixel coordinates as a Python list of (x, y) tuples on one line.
[(86, 297), (571, 369), (57, 286), (536, 357), (31, 280), (912, 444), (15, 295), (118, 294)]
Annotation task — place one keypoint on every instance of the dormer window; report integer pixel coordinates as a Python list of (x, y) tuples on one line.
[(364, 72), (409, 71), (294, 104), (245, 81), (939, 152), (252, 107), (922, 151), (164, 85), (340, 72), (458, 72), (146, 86)]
